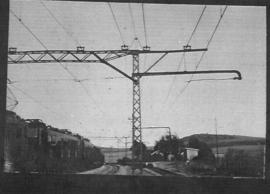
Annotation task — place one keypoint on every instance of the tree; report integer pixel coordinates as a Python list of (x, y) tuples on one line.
[(168, 144), (138, 147), (205, 152), (243, 162)]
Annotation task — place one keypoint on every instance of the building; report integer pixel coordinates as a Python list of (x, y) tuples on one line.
[(190, 153)]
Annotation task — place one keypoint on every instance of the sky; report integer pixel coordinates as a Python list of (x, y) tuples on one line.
[(103, 105)]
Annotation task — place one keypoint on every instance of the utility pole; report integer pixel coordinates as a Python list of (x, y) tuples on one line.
[(217, 154), (126, 143)]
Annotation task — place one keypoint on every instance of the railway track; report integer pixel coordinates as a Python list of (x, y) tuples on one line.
[(113, 169), (105, 170), (163, 172)]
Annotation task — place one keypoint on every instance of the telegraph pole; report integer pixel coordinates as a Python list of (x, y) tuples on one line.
[(217, 159)]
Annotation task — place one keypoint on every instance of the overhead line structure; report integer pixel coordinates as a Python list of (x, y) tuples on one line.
[(104, 56), (100, 56)]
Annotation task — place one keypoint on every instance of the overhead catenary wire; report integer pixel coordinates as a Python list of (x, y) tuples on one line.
[(144, 25), (197, 24), (132, 20), (183, 55), (41, 43), (34, 100), (60, 24), (64, 67), (203, 54), (116, 23), (133, 27), (28, 29), (39, 103)]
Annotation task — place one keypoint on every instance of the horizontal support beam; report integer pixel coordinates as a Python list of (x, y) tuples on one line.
[(79, 56), (129, 52), (189, 72)]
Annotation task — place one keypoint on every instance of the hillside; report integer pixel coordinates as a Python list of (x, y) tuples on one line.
[(226, 140)]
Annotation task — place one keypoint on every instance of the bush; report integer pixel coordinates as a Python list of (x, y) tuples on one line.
[(242, 163)]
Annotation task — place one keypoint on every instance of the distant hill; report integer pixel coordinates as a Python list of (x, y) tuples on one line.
[(210, 140), (226, 140), (108, 149)]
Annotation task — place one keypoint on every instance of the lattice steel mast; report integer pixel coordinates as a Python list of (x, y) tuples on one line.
[(136, 107)]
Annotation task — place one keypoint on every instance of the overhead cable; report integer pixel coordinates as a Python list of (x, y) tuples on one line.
[(59, 23), (132, 20), (116, 23), (203, 54), (183, 55), (144, 25), (28, 29), (195, 28), (64, 67), (33, 99)]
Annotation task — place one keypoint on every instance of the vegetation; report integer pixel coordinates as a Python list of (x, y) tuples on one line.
[(173, 145), (138, 148), (168, 144), (205, 152), (242, 163)]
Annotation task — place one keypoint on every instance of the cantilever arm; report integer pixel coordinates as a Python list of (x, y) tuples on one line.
[(113, 67), (239, 76)]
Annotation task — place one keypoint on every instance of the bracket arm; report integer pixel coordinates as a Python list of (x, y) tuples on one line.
[(189, 72), (113, 67)]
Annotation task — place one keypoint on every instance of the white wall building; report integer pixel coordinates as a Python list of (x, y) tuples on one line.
[(191, 153)]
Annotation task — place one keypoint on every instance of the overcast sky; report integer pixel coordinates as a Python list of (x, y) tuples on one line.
[(105, 107)]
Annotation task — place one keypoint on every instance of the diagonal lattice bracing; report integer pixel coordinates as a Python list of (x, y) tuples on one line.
[(79, 55), (136, 113)]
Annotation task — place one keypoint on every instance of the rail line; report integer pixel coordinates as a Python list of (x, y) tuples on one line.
[(163, 172)]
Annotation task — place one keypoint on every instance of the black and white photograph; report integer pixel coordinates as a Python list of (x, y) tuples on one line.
[(135, 97)]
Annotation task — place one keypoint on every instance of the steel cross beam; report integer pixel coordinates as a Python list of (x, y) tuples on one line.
[(78, 56)]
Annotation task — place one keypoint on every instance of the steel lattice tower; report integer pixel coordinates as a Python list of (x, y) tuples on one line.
[(136, 113)]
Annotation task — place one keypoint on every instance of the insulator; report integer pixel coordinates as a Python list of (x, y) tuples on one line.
[(146, 48), (80, 48), (124, 47), (187, 47), (12, 49)]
